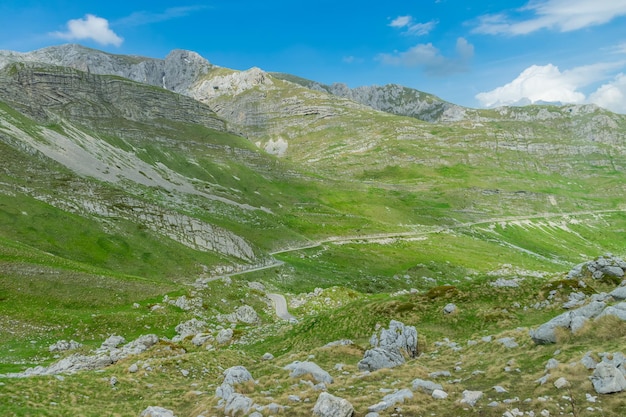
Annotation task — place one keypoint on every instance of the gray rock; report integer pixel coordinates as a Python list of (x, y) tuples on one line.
[(508, 342), (607, 379), (154, 411), (64, 345), (545, 333), (450, 308), (133, 368), (112, 342), (256, 286), (619, 293), (236, 375), (439, 394), (617, 310), (238, 404), (425, 386), (342, 342), (561, 383), (471, 397), (328, 405), (267, 356), (379, 358), (397, 336), (224, 336), (588, 362), (505, 283), (552, 364), (189, 328), (201, 338), (440, 374), (308, 368), (246, 314), (391, 399), (578, 323)]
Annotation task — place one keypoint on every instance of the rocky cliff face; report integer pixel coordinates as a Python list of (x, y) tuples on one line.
[(177, 72), (44, 90)]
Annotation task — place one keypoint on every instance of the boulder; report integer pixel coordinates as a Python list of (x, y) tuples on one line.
[(450, 308), (391, 399), (189, 328), (246, 314), (617, 310), (439, 394), (619, 293), (153, 411), (112, 342), (425, 386), (328, 405), (546, 333), (379, 358), (607, 379), (471, 397), (64, 345), (201, 338), (236, 375), (238, 404), (397, 336), (224, 336), (308, 368)]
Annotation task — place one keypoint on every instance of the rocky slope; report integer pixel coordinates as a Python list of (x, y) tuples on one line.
[(391, 98)]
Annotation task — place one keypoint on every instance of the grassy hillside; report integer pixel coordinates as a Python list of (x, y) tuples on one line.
[(112, 212)]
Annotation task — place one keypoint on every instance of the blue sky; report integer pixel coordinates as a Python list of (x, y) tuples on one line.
[(473, 53)]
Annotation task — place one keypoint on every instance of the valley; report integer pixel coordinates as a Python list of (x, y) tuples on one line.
[(159, 212)]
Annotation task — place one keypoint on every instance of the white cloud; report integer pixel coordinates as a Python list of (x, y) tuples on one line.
[(430, 59), (411, 27), (400, 21), (547, 83), (90, 27), (611, 95), (560, 15)]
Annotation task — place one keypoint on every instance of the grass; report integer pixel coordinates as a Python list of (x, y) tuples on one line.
[(503, 198)]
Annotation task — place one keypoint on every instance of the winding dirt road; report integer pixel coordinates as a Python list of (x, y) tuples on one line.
[(280, 304)]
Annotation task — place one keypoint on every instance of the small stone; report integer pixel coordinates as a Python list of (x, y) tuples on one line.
[(561, 383), (439, 394)]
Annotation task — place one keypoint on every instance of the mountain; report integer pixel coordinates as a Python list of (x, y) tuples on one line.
[(179, 221), (391, 98)]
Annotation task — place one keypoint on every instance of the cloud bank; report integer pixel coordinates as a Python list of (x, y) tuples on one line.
[(560, 15), (90, 27), (547, 83)]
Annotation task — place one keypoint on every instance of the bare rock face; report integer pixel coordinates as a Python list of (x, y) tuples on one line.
[(177, 72)]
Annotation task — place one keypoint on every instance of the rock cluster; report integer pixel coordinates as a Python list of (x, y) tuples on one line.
[(597, 307), (389, 347), (233, 402), (604, 266), (112, 350)]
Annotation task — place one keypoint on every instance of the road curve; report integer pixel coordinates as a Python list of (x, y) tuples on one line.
[(280, 304)]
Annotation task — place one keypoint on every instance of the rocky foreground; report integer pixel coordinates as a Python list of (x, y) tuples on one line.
[(395, 352)]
